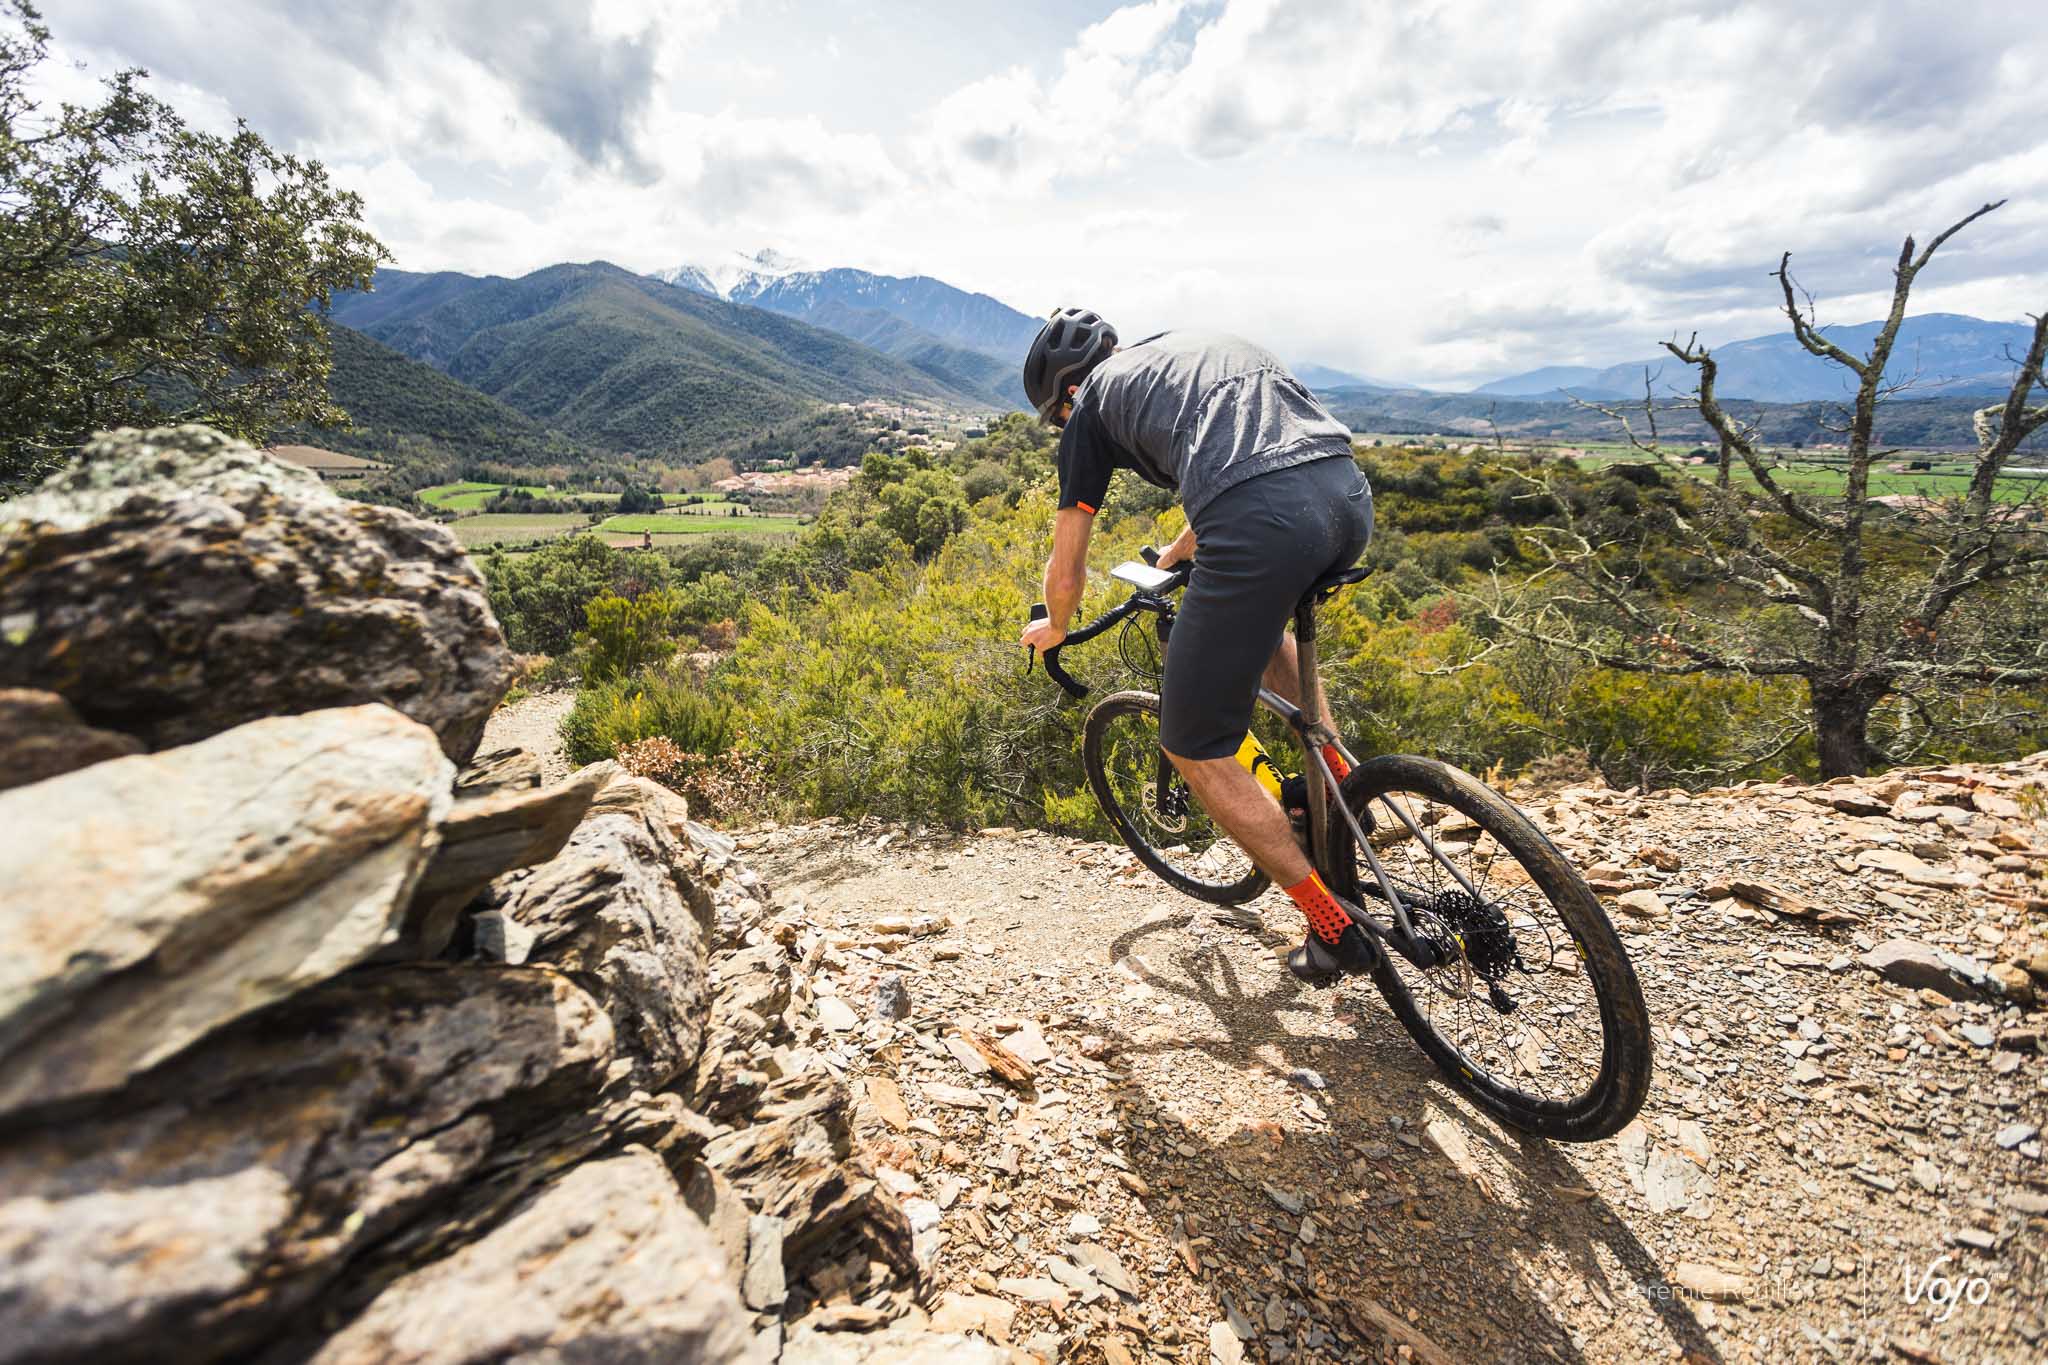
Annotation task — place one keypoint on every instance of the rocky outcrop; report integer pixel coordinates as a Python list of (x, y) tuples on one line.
[(176, 583), (155, 898), (41, 736), (313, 1048), (613, 912), (251, 1170)]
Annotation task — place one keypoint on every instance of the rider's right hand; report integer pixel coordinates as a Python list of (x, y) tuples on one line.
[(1180, 550)]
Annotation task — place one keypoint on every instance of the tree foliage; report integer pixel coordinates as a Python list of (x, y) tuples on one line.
[(152, 273), (541, 599)]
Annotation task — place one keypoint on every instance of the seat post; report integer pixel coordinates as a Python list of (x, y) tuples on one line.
[(1312, 727), (1305, 660)]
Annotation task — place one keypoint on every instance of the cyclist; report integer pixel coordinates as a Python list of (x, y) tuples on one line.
[(1274, 499)]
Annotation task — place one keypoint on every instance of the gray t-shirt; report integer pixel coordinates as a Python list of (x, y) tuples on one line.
[(1192, 411)]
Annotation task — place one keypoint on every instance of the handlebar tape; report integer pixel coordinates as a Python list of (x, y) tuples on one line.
[(1060, 675)]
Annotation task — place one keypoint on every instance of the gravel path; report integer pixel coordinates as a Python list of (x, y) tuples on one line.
[(533, 723), (1213, 1165)]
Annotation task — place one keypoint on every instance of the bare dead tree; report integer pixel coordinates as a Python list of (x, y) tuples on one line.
[(1860, 601)]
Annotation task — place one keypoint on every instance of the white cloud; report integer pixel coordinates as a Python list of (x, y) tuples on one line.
[(1430, 190)]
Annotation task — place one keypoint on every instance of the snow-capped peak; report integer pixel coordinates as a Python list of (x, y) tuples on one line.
[(737, 273)]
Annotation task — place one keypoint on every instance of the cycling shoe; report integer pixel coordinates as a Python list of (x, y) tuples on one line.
[(1323, 964)]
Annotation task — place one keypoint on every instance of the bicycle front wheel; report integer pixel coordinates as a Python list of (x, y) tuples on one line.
[(1149, 803), (1535, 1012)]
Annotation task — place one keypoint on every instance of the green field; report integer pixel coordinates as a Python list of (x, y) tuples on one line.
[(516, 529), (1948, 475), (671, 523), (470, 497), (661, 539)]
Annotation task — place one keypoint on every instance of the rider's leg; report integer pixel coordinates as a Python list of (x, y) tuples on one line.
[(1263, 541), (1234, 798), (1236, 801)]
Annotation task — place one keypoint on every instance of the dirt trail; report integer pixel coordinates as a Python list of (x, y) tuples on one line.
[(533, 723), (1214, 1164)]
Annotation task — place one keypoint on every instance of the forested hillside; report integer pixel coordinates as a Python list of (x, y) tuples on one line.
[(994, 378), (410, 415)]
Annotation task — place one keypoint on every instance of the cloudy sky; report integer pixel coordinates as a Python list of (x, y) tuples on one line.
[(1434, 192)]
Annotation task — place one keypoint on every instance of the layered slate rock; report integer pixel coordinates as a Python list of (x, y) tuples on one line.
[(615, 909), (230, 1186), (486, 834), (607, 1264), (172, 584), (310, 1047), (154, 898), (794, 1162)]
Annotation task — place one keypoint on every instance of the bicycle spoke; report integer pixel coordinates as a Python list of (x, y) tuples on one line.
[(1508, 946)]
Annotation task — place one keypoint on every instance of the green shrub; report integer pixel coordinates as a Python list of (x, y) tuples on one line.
[(985, 480), (923, 510), (626, 634), (659, 703)]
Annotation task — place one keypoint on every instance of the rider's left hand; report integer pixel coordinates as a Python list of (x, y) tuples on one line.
[(1042, 635)]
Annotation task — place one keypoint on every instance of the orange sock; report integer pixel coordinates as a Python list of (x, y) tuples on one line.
[(1338, 767), (1325, 916)]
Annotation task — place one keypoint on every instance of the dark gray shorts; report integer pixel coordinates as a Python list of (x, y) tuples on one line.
[(1258, 545)]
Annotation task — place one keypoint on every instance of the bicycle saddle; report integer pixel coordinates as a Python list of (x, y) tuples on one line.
[(1329, 583)]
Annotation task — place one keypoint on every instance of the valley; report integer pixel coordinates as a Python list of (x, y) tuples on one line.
[(681, 516)]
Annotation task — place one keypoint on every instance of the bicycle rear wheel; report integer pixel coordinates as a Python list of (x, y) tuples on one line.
[(1536, 1015), (1152, 808)]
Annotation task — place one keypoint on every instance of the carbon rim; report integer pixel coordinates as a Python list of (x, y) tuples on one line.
[(1172, 825)]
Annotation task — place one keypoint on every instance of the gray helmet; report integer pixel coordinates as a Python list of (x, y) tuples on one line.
[(1072, 342)]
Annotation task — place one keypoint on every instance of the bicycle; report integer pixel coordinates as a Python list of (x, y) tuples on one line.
[(1454, 945)]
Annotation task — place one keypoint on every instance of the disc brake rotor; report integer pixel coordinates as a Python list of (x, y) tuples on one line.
[(1172, 824)]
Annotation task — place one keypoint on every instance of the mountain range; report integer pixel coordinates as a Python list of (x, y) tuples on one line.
[(961, 338), (591, 358), (1941, 353), (624, 363), (966, 341)]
